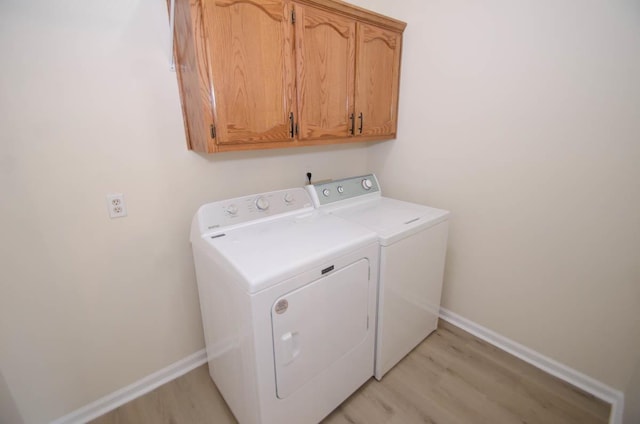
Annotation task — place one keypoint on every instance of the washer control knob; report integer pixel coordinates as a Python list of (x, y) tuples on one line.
[(231, 209), (340, 189), (262, 204), (326, 192), (288, 198), (367, 184)]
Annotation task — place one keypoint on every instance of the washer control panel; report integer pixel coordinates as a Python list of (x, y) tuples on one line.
[(347, 188), (217, 215)]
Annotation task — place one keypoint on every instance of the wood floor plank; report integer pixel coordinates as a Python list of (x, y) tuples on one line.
[(192, 398), (514, 367), (450, 378)]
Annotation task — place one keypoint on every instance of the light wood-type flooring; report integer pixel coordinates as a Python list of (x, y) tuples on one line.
[(452, 377)]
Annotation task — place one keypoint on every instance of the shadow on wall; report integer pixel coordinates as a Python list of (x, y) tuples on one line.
[(8, 409)]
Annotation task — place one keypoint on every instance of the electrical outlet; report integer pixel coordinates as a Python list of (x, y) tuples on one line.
[(116, 205)]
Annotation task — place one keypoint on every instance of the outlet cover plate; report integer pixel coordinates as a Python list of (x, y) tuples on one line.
[(116, 205)]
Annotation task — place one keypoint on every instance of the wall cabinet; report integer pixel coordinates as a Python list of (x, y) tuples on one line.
[(251, 61), (257, 74), (377, 79), (325, 71)]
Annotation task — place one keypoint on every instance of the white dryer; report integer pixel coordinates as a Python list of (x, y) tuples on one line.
[(288, 299), (413, 244)]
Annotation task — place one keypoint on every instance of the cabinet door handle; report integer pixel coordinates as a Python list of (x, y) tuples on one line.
[(291, 127), (361, 122), (353, 124)]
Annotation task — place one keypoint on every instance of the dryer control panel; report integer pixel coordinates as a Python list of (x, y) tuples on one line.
[(344, 189), (214, 216)]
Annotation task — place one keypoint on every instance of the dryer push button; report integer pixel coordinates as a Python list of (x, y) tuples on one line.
[(281, 306)]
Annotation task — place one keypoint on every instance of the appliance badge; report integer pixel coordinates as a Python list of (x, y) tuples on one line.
[(281, 306)]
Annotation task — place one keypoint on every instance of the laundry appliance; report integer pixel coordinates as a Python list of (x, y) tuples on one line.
[(413, 242), (288, 298)]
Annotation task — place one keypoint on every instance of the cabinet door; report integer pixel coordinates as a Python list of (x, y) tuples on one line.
[(377, 80), (325, 64), (251, 56)]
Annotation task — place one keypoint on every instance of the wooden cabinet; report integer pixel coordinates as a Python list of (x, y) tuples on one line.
[(377, 80), (252, 68), (325, 65), (257, 74)]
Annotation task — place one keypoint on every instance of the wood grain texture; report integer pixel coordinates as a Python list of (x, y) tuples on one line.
[(194, 74), (299, 143), (451, 377), (325, 65), (377, 80), (236, 70), (358, 13), (252, 62)]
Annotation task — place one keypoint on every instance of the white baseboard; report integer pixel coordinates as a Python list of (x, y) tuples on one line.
[(555, 368), (132, 391)]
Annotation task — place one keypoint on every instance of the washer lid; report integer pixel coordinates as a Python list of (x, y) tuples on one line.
[(267, 253), (392, 219)]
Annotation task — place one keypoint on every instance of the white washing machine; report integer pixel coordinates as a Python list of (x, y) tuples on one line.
[(288, 298), (413, 244)]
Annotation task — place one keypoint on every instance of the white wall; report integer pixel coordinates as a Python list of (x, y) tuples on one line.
[(632, 398), (88, 107), (523, 119), (8, 409)]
